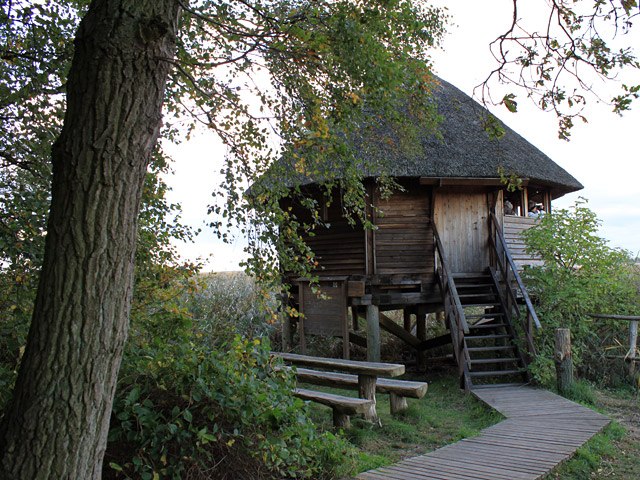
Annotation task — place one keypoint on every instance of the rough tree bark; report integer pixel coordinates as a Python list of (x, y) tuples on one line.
[(563, 360), (56, 425)]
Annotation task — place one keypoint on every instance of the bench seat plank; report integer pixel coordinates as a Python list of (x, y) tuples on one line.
[(375, 369), (342, 406), (404, 388), (347, 405)]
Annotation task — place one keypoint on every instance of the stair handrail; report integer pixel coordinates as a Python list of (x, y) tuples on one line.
[(453, 309), (508, 269), (450, 285)]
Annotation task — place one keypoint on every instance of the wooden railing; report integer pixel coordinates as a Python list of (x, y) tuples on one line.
[(632, 356), (454, 312), (513, 286)]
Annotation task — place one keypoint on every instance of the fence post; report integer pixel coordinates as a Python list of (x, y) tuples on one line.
[(564, 362), (633, 347)]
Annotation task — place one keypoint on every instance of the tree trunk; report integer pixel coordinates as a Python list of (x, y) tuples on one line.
[(57, 423)]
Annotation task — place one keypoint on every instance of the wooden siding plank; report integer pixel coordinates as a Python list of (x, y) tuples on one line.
[(403, 238)]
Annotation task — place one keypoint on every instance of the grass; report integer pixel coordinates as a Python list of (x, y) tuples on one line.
[(591, 459), (613, 454), (443, 416)]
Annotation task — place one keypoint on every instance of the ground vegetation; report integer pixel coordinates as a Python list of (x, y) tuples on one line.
[(582, 275), (86, 83)]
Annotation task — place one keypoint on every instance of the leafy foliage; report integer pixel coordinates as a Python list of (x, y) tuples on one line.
[(37, 41), (556, 51), (227, 304), (187, 411), (266, 76), (581, 275), (328, 63)]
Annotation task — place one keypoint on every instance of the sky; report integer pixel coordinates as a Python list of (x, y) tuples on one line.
[(603, 154)]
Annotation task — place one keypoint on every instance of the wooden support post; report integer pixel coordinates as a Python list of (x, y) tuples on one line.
[(340, 419), (633, 347), (421, 333), (406, 316), (346, 346), (303, 340), (367, 389), (373, 334), (398, 403), (564, 362), (354, 318), (285, 322), (286, 332)]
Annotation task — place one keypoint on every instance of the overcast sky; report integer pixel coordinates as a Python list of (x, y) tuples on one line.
[(602, 155)]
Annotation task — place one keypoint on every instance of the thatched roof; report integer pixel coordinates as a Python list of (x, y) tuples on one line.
[(462, 150)]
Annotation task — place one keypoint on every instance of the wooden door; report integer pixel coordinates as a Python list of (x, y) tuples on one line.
[(461, 216)]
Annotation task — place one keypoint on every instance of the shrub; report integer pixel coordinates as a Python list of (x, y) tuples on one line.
[(193, 413), (581, 275), (228, 304)]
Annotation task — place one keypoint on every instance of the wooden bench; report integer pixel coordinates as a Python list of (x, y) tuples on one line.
[(398, 390), (366, 372), (342, 406)]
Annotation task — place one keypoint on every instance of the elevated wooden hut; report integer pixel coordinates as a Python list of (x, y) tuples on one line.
[(444, 244)]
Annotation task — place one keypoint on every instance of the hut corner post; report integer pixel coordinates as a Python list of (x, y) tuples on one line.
[(563, 360)]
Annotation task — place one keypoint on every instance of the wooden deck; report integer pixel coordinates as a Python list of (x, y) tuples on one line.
[(541, 430)]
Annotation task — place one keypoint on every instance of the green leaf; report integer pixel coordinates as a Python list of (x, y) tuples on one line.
[(509, 102), (187, 416)]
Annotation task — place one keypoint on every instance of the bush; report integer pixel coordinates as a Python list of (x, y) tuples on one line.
[(193, 413), (581, 275), (228, 304)]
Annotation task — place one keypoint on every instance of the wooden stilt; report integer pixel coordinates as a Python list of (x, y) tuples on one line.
[(373, 333), (303, 340), (354, 318), (406, 314), (421, 333), (286, 332)]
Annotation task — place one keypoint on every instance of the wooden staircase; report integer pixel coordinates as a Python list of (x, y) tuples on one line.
[(489, 315), (490, 349)]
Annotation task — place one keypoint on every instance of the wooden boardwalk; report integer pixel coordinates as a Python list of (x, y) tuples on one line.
[(540, 431)]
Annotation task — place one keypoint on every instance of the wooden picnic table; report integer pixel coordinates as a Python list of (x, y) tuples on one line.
[(367, 372)]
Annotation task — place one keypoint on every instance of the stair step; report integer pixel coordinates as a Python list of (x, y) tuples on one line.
[(493, 360), (471, 275), (486, 337), (474, 285), (498, 385), (496, 373), (490, 349), (488, 325), (485, 315), (485, 305), (475, 295)]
